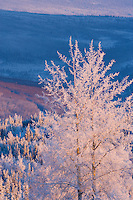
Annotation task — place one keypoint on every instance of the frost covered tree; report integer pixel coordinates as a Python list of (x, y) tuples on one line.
[(90, 126)]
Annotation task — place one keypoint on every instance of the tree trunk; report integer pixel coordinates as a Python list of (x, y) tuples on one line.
[(79, 181), (79, 195), (93, 172)]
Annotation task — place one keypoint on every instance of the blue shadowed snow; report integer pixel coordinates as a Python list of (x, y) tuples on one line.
[(26, 40)]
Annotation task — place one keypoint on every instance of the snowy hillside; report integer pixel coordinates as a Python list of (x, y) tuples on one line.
[(26, 40), (71, 7)]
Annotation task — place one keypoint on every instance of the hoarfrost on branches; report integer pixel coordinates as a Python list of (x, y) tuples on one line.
[(88, 153)]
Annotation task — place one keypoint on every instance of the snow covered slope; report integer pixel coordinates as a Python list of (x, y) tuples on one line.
[(26, 40), (71, 7)]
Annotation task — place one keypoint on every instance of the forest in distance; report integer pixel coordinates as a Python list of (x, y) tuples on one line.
[(28, 39)]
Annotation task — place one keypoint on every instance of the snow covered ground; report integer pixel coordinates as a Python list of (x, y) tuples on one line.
[(26, 40), (71, 7)]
